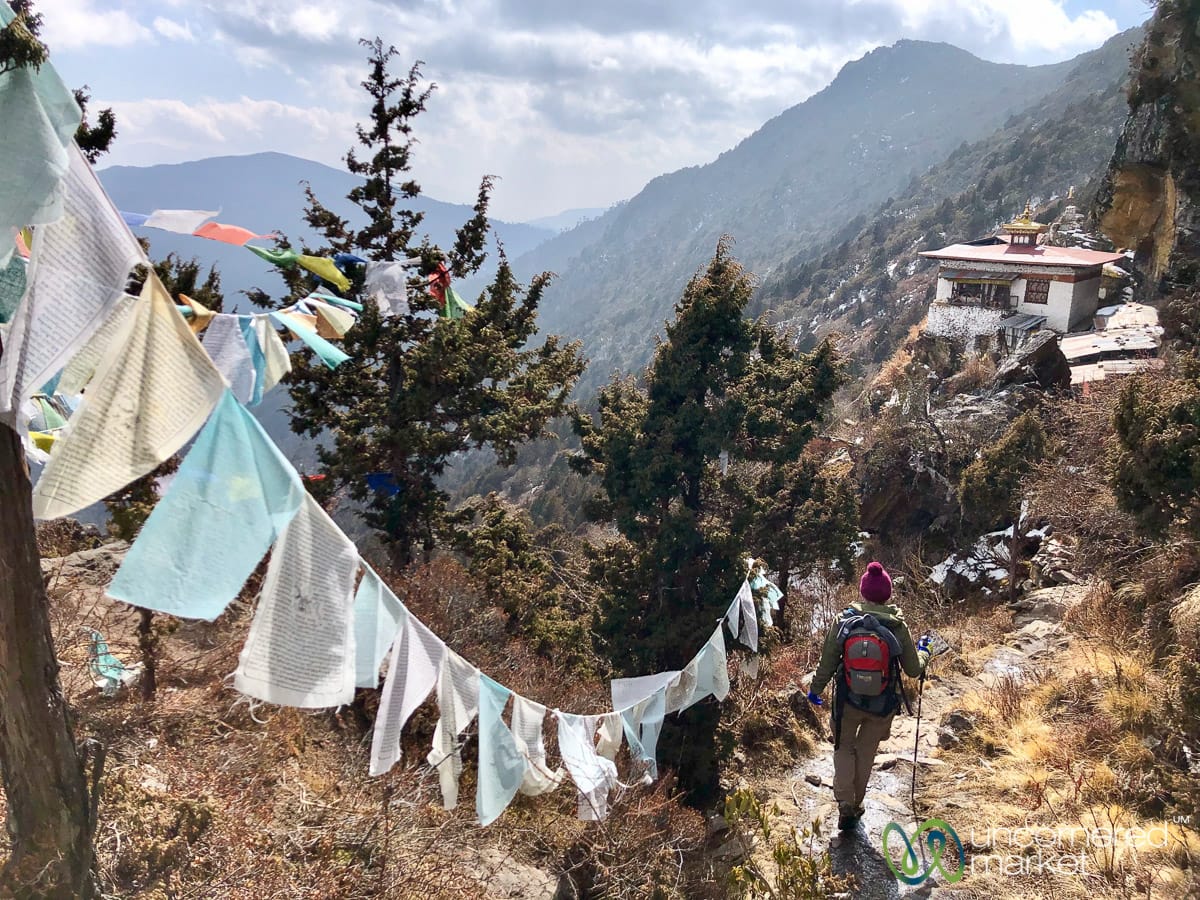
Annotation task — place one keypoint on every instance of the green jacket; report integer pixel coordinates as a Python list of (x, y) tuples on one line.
[(911, 660)]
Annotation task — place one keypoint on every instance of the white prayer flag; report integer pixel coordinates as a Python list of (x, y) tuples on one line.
[(181, 221), (226, 347), (527, 720), (78, 270), (300, 649), (149, 396), (413, 671), (386, 283), (458, 702), (276, 361)]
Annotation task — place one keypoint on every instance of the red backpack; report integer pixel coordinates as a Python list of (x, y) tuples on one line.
[(870, 663)]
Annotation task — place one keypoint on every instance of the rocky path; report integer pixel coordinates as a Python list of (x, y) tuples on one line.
[(805, 794)]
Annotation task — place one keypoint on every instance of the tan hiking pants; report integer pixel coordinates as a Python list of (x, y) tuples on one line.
[(852, 760)]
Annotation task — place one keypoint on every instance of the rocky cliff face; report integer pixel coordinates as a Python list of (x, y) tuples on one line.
[(1149, 201)]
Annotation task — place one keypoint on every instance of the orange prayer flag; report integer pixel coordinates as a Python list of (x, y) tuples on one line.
[(229, 234)]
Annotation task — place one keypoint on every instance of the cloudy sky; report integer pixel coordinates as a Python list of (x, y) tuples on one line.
[(571, 102)]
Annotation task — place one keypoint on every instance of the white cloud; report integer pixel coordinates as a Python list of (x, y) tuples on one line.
[(1027, 31), (571, 104), (174, 31), (74, 24)]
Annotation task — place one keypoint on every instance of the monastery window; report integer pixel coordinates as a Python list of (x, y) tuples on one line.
[(1037, 290), (980, 293)]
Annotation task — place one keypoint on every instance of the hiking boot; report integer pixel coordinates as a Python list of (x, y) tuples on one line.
[(848, 816)]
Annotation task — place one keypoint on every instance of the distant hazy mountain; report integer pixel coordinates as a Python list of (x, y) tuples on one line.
[(264, 192), (784, 190), (567, 219)]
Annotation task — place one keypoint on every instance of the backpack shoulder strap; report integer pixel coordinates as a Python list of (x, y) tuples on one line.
[(848, 621)]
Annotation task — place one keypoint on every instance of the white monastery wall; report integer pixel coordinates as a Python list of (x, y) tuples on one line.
[(963, 323)]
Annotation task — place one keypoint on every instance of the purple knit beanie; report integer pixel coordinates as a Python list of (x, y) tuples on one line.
[(876, 584)]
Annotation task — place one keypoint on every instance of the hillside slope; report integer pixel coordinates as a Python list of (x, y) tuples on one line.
[(784, 189)]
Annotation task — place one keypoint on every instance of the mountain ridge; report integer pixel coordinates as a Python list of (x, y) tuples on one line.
[(782, 190)]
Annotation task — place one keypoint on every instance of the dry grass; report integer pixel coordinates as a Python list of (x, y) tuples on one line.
[(206, 795), (1065, 759), (976, 373)]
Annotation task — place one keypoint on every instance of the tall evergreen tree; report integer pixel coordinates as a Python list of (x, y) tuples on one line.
[(727, 403), (420, 387)]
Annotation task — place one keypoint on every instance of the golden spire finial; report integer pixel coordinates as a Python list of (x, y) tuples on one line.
[(1071, 192), (1027, 216)]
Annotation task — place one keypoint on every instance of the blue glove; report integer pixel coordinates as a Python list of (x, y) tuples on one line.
[(923, 643), (815, 699)]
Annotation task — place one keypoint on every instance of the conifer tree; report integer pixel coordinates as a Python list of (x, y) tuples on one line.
[(420, 387), (727, 402)]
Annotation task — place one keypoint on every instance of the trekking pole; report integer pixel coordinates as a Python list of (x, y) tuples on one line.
[(916, 745)]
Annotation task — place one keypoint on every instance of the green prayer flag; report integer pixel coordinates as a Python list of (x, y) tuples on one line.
[(456, 306), (284, 258)]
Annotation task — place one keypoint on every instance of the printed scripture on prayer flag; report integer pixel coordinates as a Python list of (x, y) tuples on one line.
[(77, 275), (150, 395), (300, 649)]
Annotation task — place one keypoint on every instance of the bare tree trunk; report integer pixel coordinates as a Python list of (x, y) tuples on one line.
[(148, 644), (48, 806), (785, 608)]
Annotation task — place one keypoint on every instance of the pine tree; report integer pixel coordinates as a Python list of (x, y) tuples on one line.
[(805, 517), (420, 388), (94, 140), (727, 403)]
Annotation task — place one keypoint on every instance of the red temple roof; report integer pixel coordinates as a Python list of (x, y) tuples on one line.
[(1020, 254)]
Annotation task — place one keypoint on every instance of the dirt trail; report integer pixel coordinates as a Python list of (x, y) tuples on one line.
[(1037, 634)]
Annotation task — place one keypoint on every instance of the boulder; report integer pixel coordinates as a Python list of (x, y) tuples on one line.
[(957, 723), (947, 739), (96, 566), (1037, 361)]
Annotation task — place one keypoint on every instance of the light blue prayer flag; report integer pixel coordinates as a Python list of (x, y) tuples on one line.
[(257, 358), (770, 602), (38, 118), (642, 725), (232, 495), (12, 287), (501, 763), (108, 672), (330, 355), (378, 615), (335, 300)]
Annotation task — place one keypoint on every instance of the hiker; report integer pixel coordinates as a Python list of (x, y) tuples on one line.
[(865, 648)]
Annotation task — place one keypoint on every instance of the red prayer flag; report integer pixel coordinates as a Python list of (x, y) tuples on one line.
[(439, 280), (229, 234)]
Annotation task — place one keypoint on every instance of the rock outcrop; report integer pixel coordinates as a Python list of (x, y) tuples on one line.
[(1038, 361), (1149, 201)]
